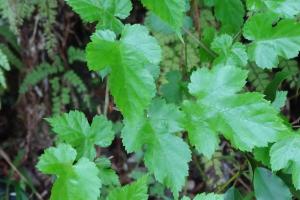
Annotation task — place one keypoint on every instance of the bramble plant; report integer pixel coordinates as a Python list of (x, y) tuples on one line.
[(214, 105)]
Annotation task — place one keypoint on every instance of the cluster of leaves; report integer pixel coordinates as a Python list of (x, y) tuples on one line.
[(216, 103)]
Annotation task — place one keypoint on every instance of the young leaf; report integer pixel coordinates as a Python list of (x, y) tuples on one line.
[(105, 11), (108, 175), (284, 8), (166, 155), (230, 13), (130, 81), (268, 186), (73, 182), (246, 119), (285, 154), (271, 42), (74, 129), (229, 53), (169, 11), (134, 191)]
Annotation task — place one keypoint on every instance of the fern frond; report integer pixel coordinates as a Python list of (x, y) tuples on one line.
[(55, 98), (292, 67), (12, 58), (4, 66), (48, 11), (37, 75), (174, 53), (9, 37), (76, 54), (76, 82), (258, 77), (16, 11)]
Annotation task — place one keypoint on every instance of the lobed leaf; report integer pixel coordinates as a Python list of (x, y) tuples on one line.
[(246, 119), (73, 128), (73, 182), (134, 191), (285, 154), (166, 155), (284, 8), (106, 12), (169, 11), (130, 80), (229, 53), (269, 42)]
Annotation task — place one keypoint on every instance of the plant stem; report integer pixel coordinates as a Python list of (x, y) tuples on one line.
[(106, 101), (234, 177), (201, 44), (14, 168), (198, 166)]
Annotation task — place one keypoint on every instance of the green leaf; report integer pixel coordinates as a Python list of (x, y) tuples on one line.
[(271, 42), (273, 86), (284, 8), (4, 61), (230, 13), (262, 154), (156, 25), (204, 196), (172, 90), (280, 100), (209, 2), (207, 38), (200, 134), (134, 191), (105, 11), (268, 186), (5, 65), (229, 53), (246, 119), (285, 154), (76, 54), (2, 79), (130, 81), (209, 196), (233, 194), (169, 11), (166, 155), (74, 129), (88, 10), (255, 5), (73, 182), (108, 175)]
